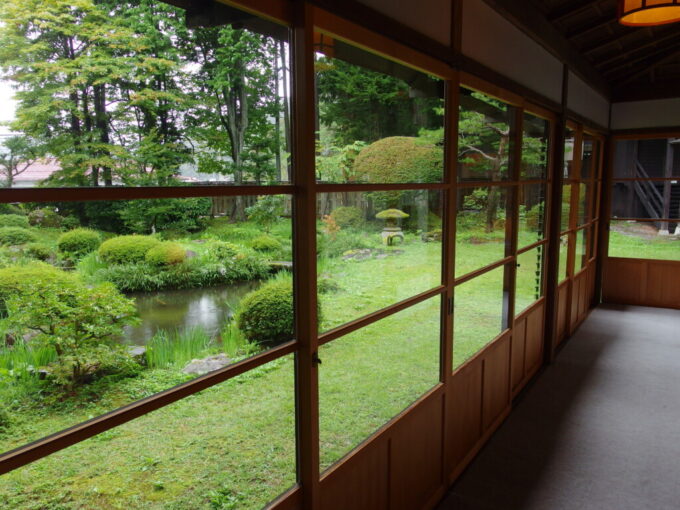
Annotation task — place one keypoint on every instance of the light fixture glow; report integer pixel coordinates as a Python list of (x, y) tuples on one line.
[(645, 13)]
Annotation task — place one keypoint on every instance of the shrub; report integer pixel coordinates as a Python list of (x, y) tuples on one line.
[(79, 242), (13, 220), (266, 243), (126, 249), (266, 211), (399, 159), (345, 217), (166, 254), (266, 314), (70, 222), (11, 209), (181, 214), (221, 250), (16, 235), (38, 251), (46, 218)]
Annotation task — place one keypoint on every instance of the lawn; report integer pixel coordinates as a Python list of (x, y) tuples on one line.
[(233, 446), (636, 240)]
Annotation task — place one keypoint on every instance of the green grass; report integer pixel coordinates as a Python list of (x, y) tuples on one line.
[(176, 349), (232, 446), (629, 245)]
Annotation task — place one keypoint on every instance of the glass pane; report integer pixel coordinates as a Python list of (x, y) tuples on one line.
[(378, 121), (104, 303), (581, 243), (529, 286), (643, 240), (480, 314), (568, 154), (194, 98), (535, 147), (646, 199), (480, 227), (589, 157), (564, 250), (375, 249), (484, 137), (532, 213), (201, 452), (371, 375), (585, 203), (566, 207), (644, 159)]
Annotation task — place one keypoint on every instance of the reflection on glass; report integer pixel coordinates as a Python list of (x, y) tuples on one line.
[(581, 243), (103, 303), (529, 286), (378, 121), (480, 314), (535, 147), (190, 99), (375, 249), (532, 213), (645, 158), (200, 452), (372, 374), (565, 222), (585, 203), (643, 240), (564, 257), (480, 227), (484, 137), (568, 154), (589, 160)]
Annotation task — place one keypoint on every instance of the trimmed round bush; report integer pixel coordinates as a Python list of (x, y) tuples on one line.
[(126, 249), (70, 223), (266, 244), (11, 236), (266, 314), (166, 254), (345, 217), (38, 251), (222, 250), (79, 242), (13, 220), (398, 159), (46, 218)]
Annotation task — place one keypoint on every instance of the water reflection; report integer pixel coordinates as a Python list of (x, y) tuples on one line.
[(207, 308)]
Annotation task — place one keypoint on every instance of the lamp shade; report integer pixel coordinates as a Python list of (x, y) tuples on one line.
[(645, 13)]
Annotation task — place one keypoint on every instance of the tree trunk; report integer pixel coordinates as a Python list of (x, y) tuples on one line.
[(102, 125)]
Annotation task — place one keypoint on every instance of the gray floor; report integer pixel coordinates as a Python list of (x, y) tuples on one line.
[(600, 429)]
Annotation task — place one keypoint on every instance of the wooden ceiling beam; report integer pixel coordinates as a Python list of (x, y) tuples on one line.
[(595, 25), (534, 24), (650, 66), (672, 34), (572, 9), (646, 91)]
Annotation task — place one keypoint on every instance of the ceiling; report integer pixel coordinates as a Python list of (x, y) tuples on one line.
[(636, 63)]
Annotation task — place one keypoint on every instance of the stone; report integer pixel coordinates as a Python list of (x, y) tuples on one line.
[(191, 254), (138, 352), (280, 265), (205, 365)]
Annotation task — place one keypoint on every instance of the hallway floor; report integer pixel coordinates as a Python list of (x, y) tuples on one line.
[(599, 430)]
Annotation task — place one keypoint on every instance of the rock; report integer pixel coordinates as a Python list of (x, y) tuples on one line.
[(280, 265), (138, 352), (357, 254), (191, 254), (205, 365)]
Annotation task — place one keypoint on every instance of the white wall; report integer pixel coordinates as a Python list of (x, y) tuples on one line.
[(585, 101), (429, 17), (646, 114), (492, 40)]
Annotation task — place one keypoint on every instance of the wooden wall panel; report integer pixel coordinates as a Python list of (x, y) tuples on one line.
[(361, 482), (573, 304), (496, 389), (517, 352), (416, 457), (464, 412), (534, 340), (642, 282), (562, 297)]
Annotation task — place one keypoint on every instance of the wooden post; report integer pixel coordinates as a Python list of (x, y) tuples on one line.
[(668, 173)]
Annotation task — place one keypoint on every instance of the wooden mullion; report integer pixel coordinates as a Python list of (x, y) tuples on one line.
[(512, 219), (531, 246), (479, 272), (500, 184), (354, 188), (304, 256)]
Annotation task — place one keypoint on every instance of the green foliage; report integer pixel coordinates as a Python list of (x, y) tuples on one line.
[(13, 220), (5, 419), (266, 211), (12, 236), (266, 243), (126, 249), (166, 254), (45, 218), (176, 349), (235, 344), (79, 242), (81, 323), (70, 223), (21, 360), (38, 251), (221, 250), (266, 314), (400, 159), (348, 217), (345, 241), (181, 214), (12, 209)]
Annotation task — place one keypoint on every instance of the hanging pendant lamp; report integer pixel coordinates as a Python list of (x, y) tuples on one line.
[(645, 13)]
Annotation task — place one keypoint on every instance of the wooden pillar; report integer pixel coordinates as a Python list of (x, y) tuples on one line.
[(668, 173)]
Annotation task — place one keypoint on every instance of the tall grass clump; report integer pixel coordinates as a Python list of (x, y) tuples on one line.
[(21, 361), (176, 349), (234, 343)]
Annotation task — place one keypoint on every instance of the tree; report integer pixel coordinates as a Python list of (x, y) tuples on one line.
[(18, 153)]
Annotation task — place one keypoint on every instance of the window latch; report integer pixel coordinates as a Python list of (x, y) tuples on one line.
[(315, 359)]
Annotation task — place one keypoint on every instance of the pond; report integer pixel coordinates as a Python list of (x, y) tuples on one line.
[(180, 310)]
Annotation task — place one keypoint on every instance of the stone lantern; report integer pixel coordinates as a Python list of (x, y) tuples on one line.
[(392, 231)]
